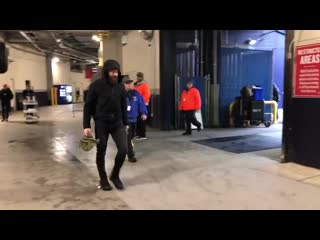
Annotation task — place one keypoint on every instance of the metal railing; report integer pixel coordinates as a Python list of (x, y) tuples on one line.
[(77, 106)]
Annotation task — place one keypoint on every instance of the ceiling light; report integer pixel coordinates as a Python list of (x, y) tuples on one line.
[(95, 38), (252, 41), (55, 60), (140, 31)]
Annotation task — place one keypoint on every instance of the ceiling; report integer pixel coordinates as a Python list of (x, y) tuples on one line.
[(72, 44)]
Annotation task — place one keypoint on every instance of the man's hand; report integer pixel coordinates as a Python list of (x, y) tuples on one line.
[(87, 132), (144, 117)]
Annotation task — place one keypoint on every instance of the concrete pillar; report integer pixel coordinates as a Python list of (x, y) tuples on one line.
[(112, 47), (49, 75), (140, 55), (167, 80)]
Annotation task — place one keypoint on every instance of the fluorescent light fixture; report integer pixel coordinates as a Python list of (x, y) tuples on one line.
[(95, 38), (252, 41), (55, 60), (91, 61)]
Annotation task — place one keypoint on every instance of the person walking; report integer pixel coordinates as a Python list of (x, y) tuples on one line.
[(143, 88), (5, 96), (189, 103), (135, 107), (106, 103), (28, 93)]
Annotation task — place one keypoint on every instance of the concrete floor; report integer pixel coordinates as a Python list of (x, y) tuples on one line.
[(42, 167)]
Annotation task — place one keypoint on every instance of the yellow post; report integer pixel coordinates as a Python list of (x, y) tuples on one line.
[(275, 109), (100, 52), (52, 96), (55, 96), (230, 114)]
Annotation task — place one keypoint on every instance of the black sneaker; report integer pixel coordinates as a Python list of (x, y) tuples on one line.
[(105, 185), (186, 134), (133, 159), (117, 183), (199, 127)]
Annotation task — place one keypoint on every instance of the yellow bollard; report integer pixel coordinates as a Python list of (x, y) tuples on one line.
[(275, 109), (52, 96), (56, 96), (230, 114)]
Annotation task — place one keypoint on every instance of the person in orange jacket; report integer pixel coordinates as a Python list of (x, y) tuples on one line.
[(143, 88), (189, 103)]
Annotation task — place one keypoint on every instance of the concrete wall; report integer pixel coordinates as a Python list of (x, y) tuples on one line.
[(62, 75), (25, 66), (135, 56), (138, 56), (112, 47), (78, 80), (29, 64), (306, 37), (61, 72)]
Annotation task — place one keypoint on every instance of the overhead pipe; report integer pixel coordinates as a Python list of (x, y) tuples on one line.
[(50, 52), (31, 41), (64, 46), (75, 31)]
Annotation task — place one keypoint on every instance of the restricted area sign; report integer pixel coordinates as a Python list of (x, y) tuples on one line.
[(307, 71)]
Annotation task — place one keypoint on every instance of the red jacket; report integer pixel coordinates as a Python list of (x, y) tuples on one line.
[(144, 90), (190, 100)]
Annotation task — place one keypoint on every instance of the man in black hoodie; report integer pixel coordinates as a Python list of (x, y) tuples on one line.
[(106, 103), (5, 98)]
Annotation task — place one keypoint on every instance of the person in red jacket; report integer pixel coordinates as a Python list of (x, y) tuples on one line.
[(189, 103), (143, 88)]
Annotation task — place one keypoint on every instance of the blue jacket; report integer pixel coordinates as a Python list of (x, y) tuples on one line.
[(135, 105)]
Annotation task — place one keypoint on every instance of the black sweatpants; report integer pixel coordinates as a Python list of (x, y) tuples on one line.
[(131, 135), (190, 117), (119, 136), (141, 127), (5, 110)]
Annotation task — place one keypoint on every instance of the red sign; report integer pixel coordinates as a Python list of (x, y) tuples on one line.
[(307, 71), (88, 73)]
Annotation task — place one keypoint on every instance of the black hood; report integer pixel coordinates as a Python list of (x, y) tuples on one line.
[(110, 65)]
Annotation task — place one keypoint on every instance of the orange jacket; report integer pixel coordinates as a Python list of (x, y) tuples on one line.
[(144, 91), (190, 100)]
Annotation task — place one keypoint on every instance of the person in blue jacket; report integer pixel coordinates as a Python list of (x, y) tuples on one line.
[(135, 107)]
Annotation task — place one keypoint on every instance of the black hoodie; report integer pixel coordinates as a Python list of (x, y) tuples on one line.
[(6, 96), (106, 102)]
